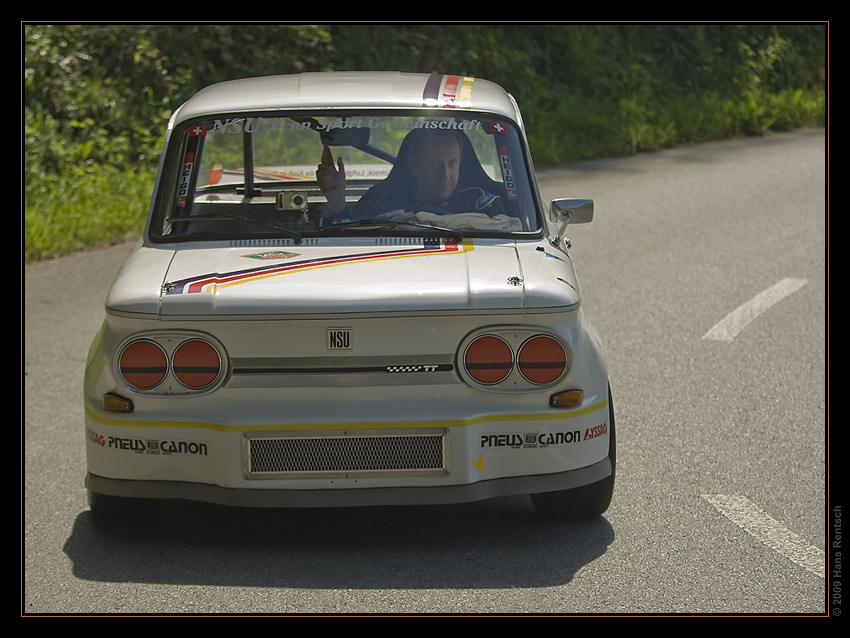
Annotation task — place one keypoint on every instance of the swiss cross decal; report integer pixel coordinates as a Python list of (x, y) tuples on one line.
[(497, 127)]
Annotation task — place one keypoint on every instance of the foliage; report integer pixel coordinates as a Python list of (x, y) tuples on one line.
[(96, 96)]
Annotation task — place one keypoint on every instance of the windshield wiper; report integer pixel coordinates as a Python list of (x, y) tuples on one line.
[(294, 235), (366, 224)]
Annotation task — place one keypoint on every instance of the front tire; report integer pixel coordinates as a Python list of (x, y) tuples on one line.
[(588, 501)]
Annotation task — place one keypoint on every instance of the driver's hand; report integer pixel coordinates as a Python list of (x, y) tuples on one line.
[(331, 180)]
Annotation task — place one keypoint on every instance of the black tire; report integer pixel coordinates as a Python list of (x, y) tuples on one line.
[(588, 501)]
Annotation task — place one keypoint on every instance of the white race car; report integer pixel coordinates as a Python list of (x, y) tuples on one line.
[(349, 292)]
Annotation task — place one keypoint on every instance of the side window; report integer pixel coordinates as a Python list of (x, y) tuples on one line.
[(222, 159)]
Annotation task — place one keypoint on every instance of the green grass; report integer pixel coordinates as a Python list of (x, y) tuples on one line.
[(94, 208)]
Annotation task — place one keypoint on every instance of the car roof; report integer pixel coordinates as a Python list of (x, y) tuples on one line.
[(345, 89)]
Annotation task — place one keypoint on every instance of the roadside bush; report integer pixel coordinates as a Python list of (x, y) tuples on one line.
[(96, 96)]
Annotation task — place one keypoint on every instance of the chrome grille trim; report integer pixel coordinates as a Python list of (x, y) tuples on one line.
[(345, 454), (356, 371)]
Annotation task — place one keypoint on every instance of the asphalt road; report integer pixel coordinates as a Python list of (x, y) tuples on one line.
[(704, 271)]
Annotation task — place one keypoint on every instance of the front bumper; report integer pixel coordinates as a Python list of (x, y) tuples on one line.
[(480, 456), (297, 498)]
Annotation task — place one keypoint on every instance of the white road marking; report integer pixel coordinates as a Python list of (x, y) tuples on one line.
[(741, 317), (769, 531)]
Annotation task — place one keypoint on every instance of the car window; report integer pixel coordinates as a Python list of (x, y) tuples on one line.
[(234, 177)]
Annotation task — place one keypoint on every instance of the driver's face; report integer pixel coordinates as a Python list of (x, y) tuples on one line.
[(436, 169)]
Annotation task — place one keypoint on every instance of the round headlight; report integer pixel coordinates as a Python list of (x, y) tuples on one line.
[(196, 364), (143, 364), (542, 360), (488, 359)]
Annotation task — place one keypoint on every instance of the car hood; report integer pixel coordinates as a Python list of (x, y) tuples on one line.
[(345, 278)]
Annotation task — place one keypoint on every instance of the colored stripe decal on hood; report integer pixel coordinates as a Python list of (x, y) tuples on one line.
[(211, 281)]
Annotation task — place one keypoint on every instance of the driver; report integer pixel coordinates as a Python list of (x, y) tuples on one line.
[(434, 165)]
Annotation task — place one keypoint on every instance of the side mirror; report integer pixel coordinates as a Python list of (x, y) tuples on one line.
[(567, 210), (576, 211)]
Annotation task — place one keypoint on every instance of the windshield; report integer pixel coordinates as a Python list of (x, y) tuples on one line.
[(362, 172)]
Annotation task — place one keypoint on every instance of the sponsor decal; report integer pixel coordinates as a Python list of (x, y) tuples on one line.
[(507, 172), (185, 179), (157, 446), (253, 125), (595, 431), (211, 282), (274, 254), (531, 439), (94, 437), (195, 133), (239, 125)]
